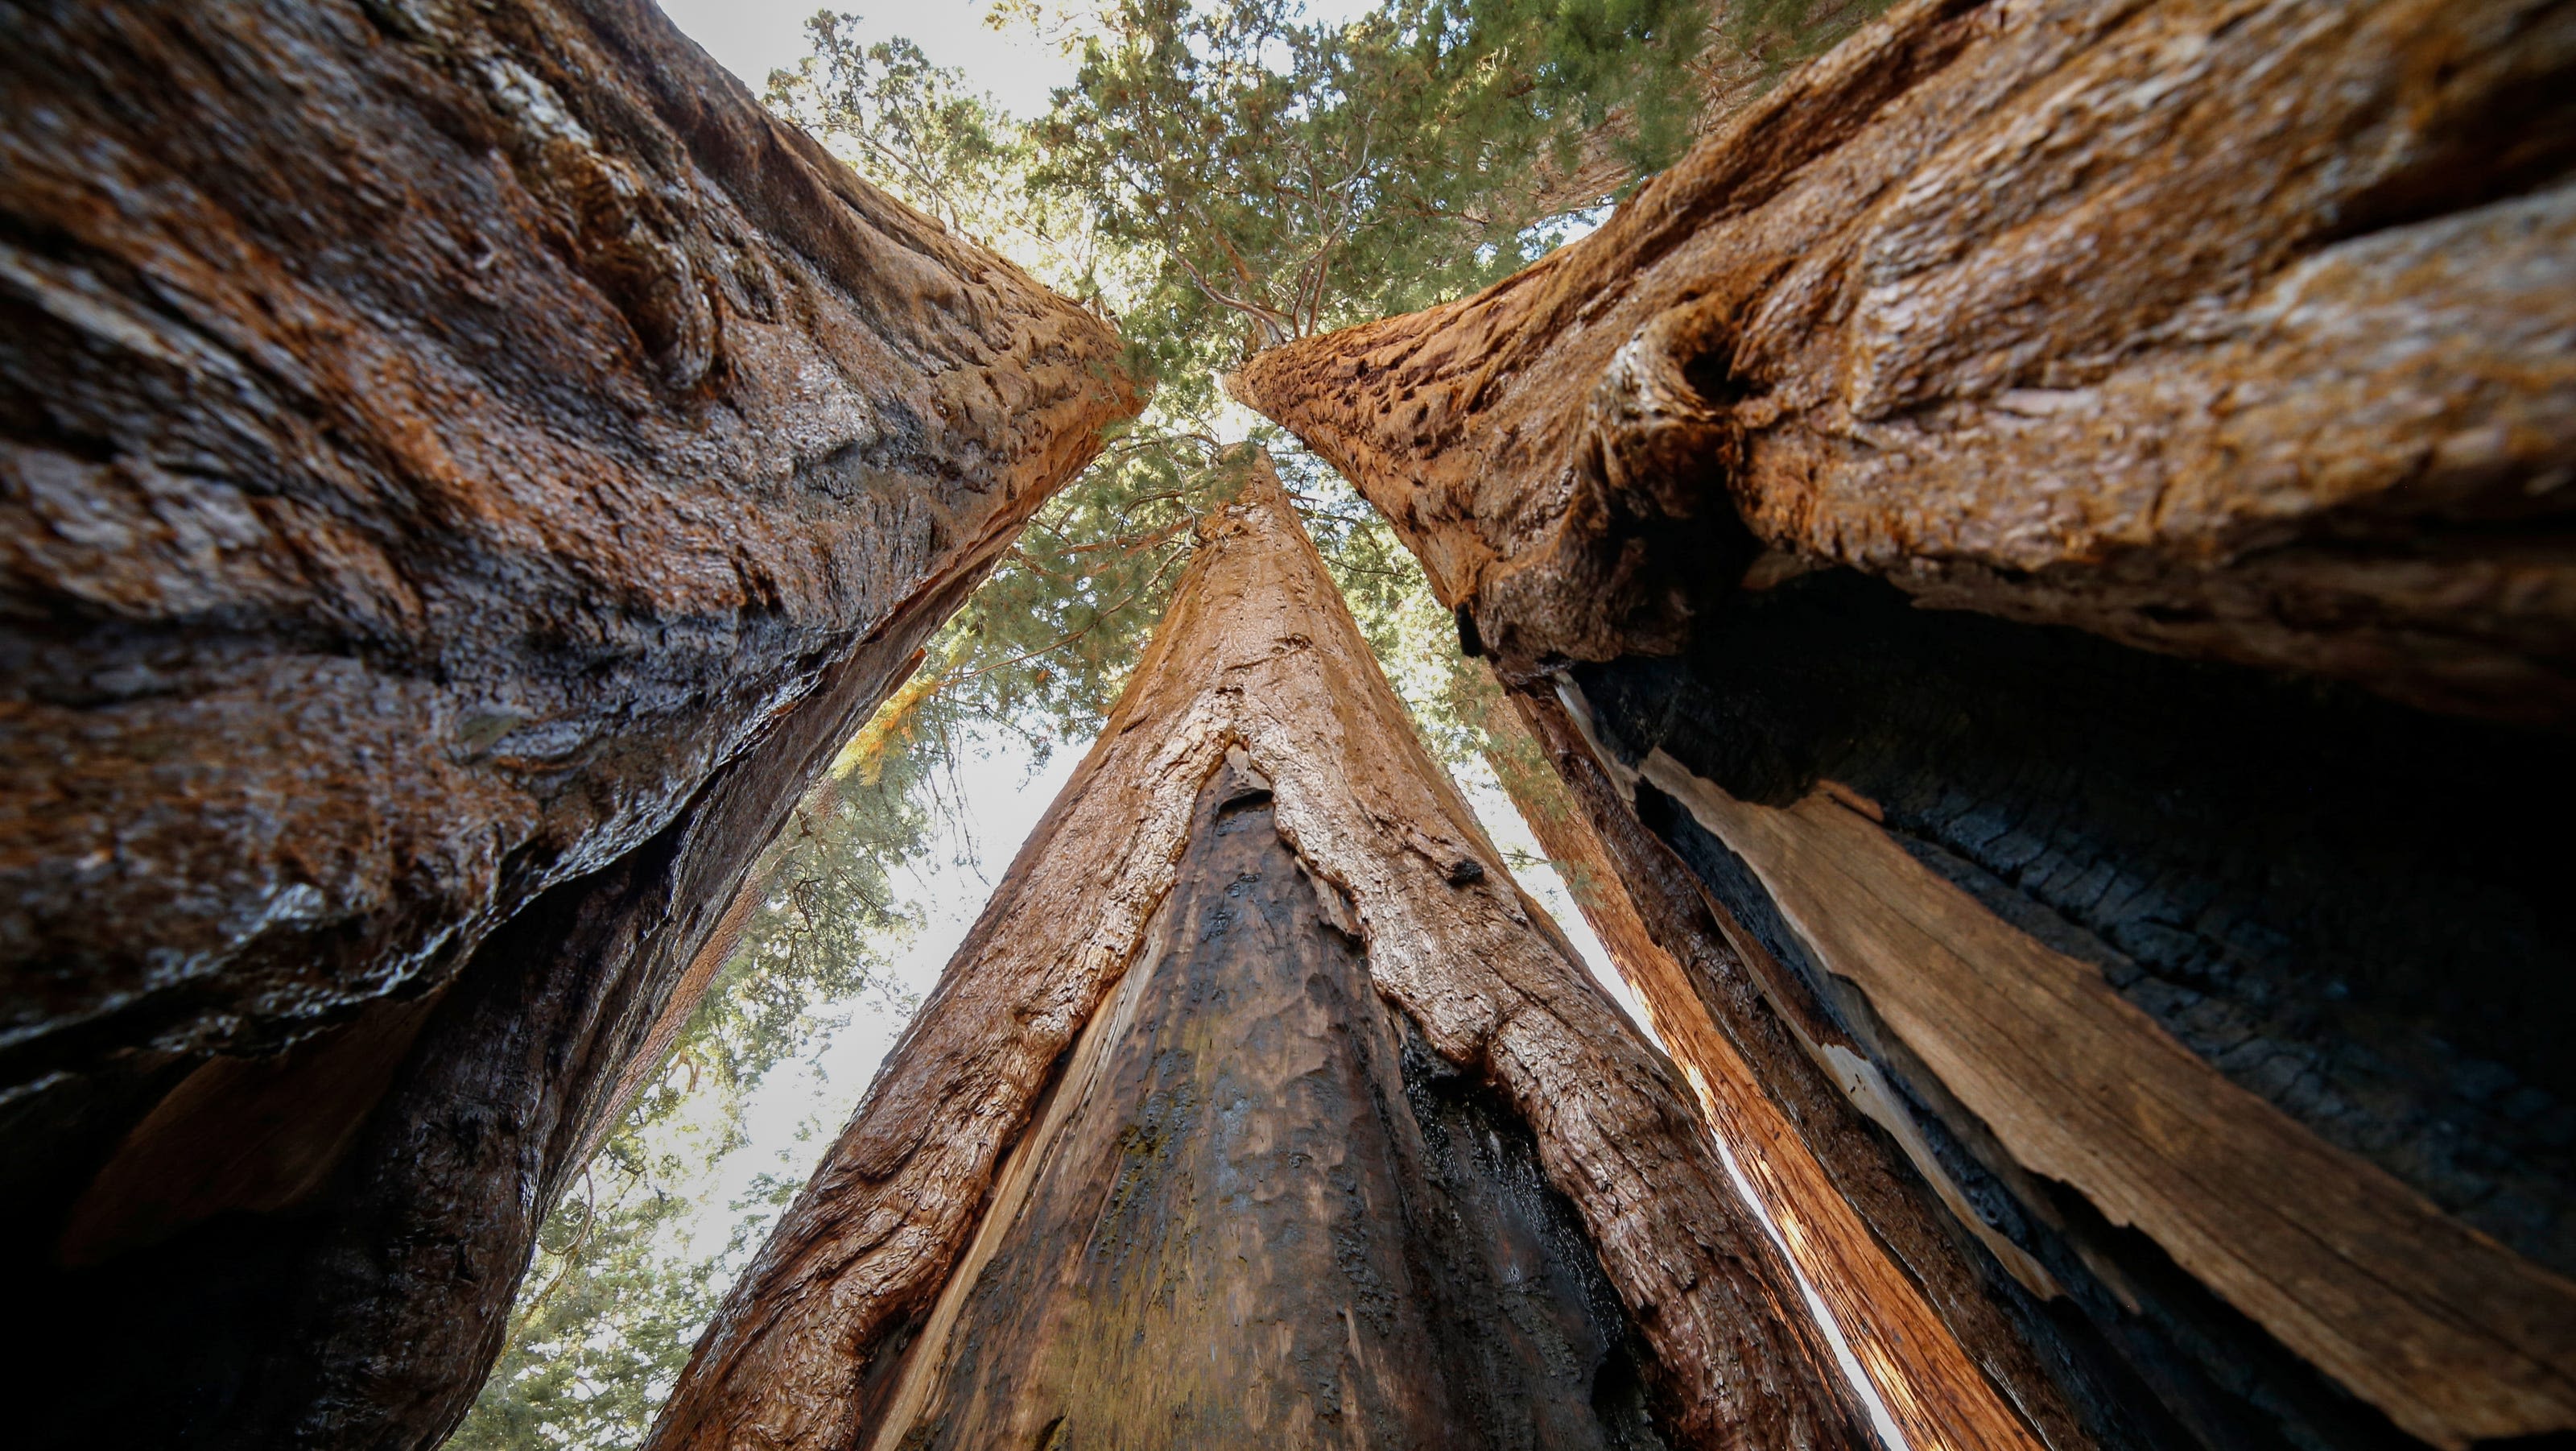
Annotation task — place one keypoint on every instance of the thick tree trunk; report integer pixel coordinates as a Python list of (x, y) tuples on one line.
[(2162, 964), (2238, 332), (1162, 1145), (1254, 1209), (463, 470)]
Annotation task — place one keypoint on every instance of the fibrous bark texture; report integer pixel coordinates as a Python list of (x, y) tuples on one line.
[(437, 438), (2211, 366), (463, 469), (2239, 330), (935, 1234), (1250, 1212)]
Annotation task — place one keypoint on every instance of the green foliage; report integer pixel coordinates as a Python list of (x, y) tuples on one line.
[(1288, 176), (1223, 175), (905, 124), (601, 1330), (1783, 34)]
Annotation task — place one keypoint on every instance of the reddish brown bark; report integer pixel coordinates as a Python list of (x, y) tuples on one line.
[(463, 470), (2227, 329), (2233, 332), (1258, 658), (1253, 1209)]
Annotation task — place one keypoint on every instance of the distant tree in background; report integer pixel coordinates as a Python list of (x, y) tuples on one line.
[(1223, 175), (609, 1310), (1280, 177)]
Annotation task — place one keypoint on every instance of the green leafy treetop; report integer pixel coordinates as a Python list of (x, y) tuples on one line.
[(1224, 175)]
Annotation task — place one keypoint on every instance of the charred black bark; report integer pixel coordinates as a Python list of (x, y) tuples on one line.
[(2334, 901)]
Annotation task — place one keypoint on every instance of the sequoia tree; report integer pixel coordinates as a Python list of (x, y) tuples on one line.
[(2053, 516), (1260, 1104), (463, 470)]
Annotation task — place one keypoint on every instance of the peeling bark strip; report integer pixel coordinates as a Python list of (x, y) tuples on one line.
[(464, 468), (1952, 1369), (2452, 1335), (2239, 329), (1258, 655), (2329, 901)]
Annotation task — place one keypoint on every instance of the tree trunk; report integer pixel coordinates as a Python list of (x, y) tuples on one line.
[(2209, 365), (1254, 1209), (1259, 1103), (2278, 313), (463, 471)]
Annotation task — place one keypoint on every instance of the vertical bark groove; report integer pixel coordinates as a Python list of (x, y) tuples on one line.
[(1259, 657)]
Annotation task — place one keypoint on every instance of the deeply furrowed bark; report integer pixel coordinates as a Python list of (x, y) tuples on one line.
[(1253, 1208), (2231, 329), (463, 470), (835, 1335), (2208, 365)]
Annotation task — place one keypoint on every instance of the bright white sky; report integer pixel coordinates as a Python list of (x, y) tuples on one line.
[(754, 37)]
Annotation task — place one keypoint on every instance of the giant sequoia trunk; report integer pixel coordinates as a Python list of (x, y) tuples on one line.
[(1260, 1109), (2161, 897), (463, 470)]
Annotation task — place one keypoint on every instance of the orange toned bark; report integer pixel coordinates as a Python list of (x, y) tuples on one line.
[(2231, 328), (437, 439), (1258, 658)]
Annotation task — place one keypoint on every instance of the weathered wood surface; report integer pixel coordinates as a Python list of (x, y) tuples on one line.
[(1951, 1369), (1247, 1216), (463, 471), (2452, 1336), (2234, 331), (438, 437), (2286, 878), (1258, 655), (2233, 328)]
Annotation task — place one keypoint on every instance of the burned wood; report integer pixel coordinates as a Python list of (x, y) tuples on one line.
[(1944, 1332), (2236, 338)]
